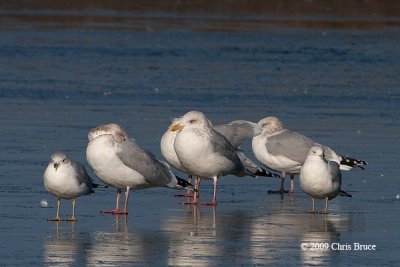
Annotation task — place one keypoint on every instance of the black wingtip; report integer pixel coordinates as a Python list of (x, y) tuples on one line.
[(265, 173), (353, 162), (185, 184), (344, 194)]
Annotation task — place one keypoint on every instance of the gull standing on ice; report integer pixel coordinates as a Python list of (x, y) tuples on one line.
[(236, 132), (320, 178), (119, 162), (285, 151), (168, 152), (66, 179), (204, 152)]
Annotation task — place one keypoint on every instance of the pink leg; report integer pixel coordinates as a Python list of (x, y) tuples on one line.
[(125, 211), (197, 187), (291, 192), (188, 192), (116, 206), (214, 200), (195, 194)]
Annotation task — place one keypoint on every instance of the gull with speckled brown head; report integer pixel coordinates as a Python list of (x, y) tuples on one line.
[(120, 162)]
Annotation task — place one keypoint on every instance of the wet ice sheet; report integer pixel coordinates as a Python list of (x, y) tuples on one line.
[(339, 87)]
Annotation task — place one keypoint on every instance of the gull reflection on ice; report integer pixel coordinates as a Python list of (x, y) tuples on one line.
[(209, 235), (194, 238), (124, 247), (64, 248), (274, 235), (323, 231)]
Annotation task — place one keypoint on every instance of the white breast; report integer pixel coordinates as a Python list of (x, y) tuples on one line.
[(316, 181), (168, 151), (101, 156), (63, 183), (196, 154)]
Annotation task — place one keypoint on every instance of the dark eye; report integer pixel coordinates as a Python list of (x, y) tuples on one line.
[(192, 121), (64, 160)]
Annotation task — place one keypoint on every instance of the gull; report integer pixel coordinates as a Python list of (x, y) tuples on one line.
[(204, 152), (120, 162), (236, 132), (167, 146), (168, 152), (285, 151), (66, 179), (320, 178)]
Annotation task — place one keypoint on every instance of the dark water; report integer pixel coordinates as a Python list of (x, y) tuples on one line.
[(64, 71)]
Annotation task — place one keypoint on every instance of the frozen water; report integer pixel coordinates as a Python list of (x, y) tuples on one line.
[(338, 85)]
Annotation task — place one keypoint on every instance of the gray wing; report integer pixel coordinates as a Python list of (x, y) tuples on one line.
[(289, 144), (82, 175), (334, 171), (331, 155), (225, 148), (238, 131), (145, 163)]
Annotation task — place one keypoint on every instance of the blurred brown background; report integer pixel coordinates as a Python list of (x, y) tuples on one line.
[(203, 14)]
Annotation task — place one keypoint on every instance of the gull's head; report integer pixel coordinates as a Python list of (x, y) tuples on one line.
[(270, 125), (59, 159), (116, 131), (316, 151), (192, 119)]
